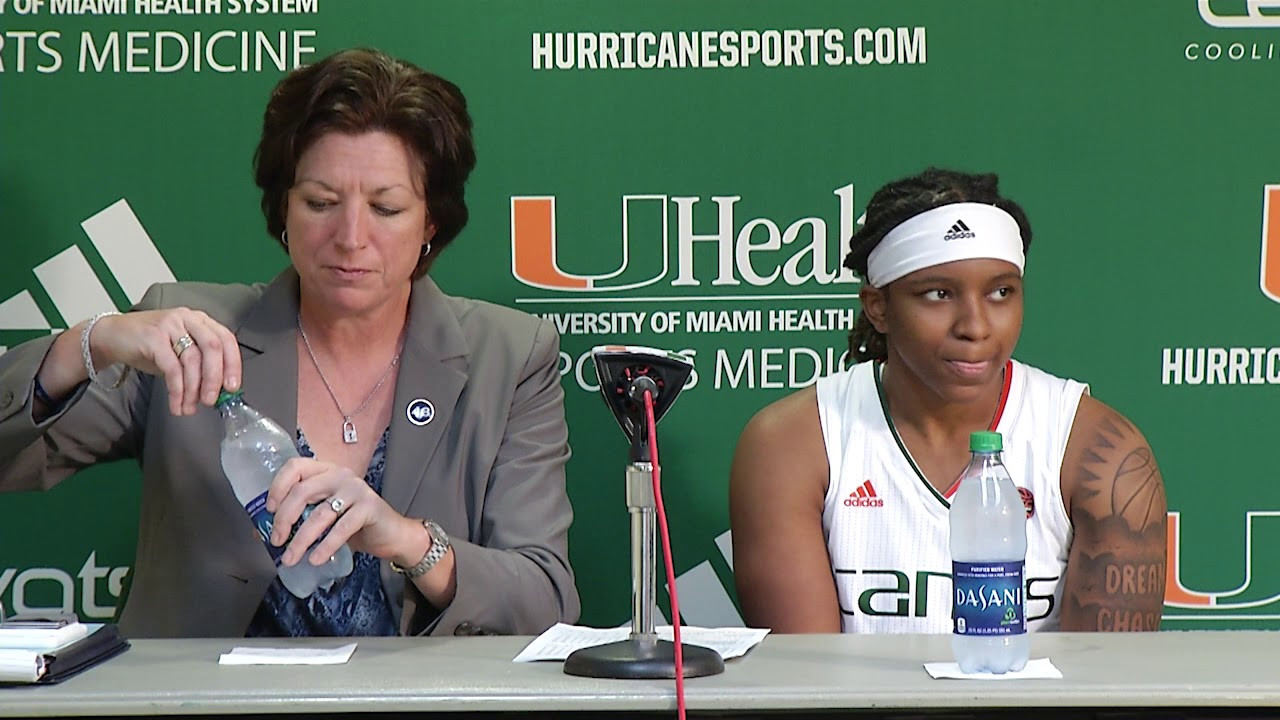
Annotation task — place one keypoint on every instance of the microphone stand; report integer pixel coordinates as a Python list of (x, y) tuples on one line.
[(642, 655)]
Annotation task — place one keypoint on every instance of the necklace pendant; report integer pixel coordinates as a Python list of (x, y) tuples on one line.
[(349, 432)]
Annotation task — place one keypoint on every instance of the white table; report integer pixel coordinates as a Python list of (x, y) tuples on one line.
[(797, 674)]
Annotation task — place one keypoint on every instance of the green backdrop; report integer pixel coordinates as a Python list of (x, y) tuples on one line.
[(701, 165)]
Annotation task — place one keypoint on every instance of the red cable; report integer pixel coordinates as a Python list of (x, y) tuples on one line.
[(666, 551)]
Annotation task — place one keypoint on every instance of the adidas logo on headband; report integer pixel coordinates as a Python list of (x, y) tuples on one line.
[(959, 231), (922, 241)]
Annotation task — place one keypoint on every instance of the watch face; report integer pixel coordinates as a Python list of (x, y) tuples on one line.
[(439, 546), (438, 535)]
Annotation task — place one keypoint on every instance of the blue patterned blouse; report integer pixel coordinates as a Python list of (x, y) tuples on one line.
[(353, 606)]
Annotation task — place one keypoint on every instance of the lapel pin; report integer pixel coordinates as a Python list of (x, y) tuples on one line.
[(420, 411)]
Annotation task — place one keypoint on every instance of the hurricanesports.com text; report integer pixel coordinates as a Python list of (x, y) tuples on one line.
[(712, 49)]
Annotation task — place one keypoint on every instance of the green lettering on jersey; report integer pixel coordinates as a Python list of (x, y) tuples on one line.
[(902, 587), (922, 590)]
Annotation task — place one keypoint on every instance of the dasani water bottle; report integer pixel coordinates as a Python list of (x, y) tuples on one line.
[(254, 448), (988, 551)]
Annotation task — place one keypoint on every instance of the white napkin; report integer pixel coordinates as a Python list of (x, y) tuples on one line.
[(1040, 668), (560, 640), (287, 656)]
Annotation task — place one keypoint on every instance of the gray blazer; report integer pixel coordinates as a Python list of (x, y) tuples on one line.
[(489, 468)]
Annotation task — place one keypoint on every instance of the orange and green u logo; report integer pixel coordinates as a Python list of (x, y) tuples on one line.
[(1256, 591), (535, 259), (1270, 280)]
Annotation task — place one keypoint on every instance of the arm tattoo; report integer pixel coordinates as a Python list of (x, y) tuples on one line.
[(1118, 572)]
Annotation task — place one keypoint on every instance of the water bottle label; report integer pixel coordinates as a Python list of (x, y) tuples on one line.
[(264, 521), (988, 598)]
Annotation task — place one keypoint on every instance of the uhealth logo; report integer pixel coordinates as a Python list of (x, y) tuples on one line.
[(1257, 13), (77, 293), (757, 252)]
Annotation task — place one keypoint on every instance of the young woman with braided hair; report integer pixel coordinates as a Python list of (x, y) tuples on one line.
[(839, 493)]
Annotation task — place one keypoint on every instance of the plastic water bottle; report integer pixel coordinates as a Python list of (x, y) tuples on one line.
[(254, 448), (988, 551)]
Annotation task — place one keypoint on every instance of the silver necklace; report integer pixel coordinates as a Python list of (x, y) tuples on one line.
[(349, 435)]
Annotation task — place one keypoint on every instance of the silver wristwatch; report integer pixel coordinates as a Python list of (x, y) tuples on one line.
[(439, 546)]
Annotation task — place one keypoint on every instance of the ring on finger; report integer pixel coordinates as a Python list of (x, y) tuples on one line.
[(337, 504), (181, 344)]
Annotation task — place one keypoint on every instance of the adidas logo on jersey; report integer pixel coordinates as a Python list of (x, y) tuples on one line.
[(959, 231), (864, 496)]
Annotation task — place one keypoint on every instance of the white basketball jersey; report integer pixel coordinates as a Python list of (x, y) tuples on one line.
[(886, 526)]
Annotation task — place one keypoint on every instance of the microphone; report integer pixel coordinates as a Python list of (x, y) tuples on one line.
[(625, 372), (639, 386)]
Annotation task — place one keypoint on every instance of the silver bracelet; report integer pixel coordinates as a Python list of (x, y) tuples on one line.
[(88, 357)]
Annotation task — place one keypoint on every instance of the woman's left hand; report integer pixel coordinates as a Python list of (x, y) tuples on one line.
[(344, 502)]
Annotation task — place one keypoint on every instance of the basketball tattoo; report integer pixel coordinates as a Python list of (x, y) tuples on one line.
[(1116, 571)]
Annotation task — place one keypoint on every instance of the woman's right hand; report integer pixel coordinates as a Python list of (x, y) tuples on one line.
[(151, 341)]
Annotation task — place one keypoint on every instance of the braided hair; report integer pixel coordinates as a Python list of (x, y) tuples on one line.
[(901, 200)]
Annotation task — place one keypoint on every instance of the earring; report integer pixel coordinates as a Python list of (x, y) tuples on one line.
[(426, 250), (284, 237)]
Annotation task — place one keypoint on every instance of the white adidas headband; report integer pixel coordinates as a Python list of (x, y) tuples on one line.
[(960, 231)]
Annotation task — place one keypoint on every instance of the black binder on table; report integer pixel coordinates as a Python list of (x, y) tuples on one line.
[(74, 658)]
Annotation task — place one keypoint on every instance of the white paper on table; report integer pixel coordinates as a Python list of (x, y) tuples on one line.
[(560, 640), (1040, 668), (287, 656), (21, 666), (23, 651), (43, 639)]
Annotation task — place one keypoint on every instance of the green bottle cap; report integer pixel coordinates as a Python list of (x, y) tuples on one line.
[(985, 441), (226, 395)]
